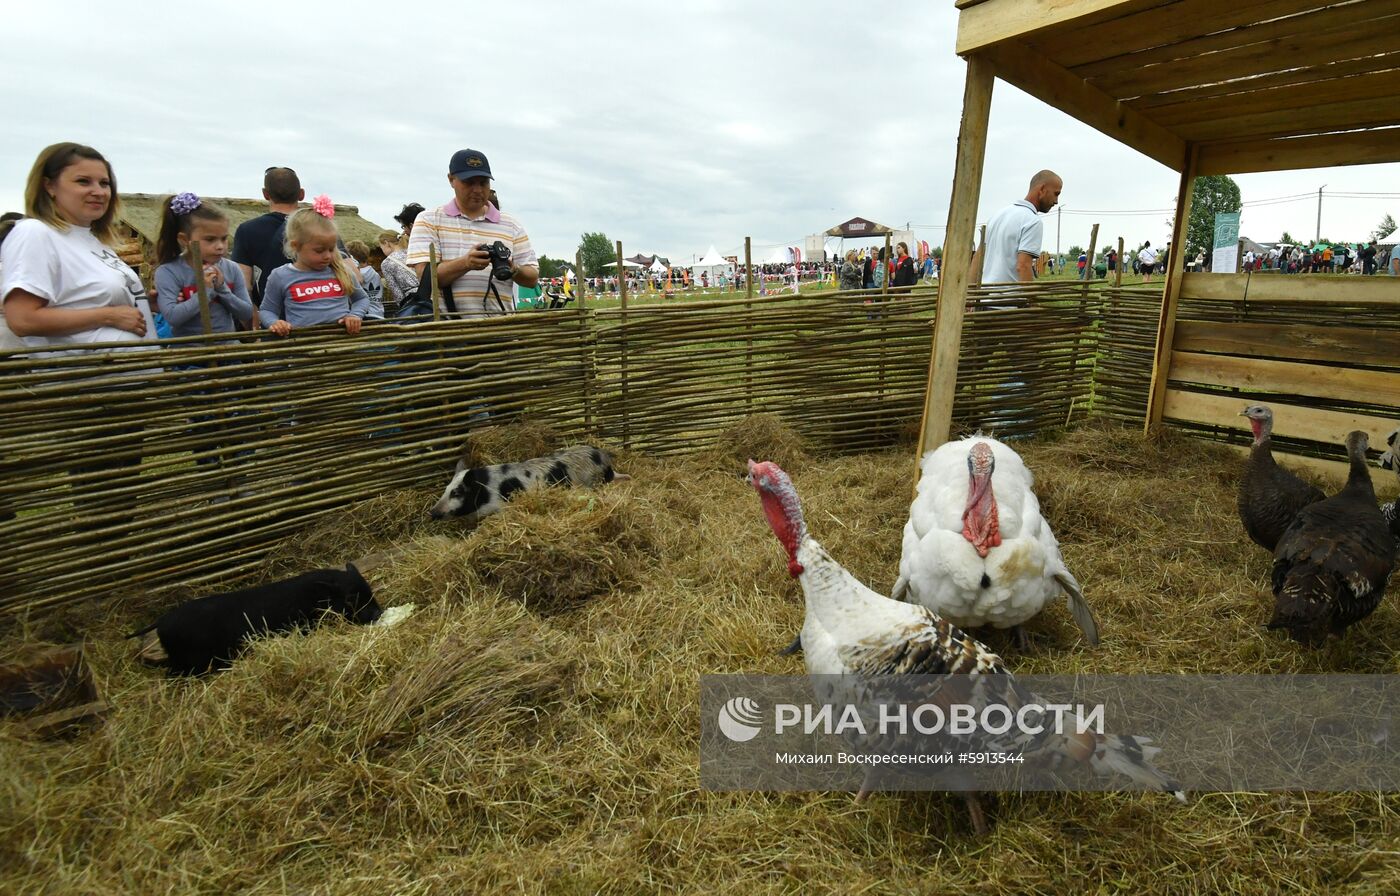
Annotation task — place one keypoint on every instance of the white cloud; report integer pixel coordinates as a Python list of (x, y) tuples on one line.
[(668, 126)]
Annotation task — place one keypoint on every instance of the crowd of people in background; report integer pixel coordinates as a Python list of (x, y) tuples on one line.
[(1364, 259), (862, 268), (63, 285), (1361, 258)]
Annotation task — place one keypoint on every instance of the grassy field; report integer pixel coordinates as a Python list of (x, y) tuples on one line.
[(533, 727), (1068, 274), (645, 297)]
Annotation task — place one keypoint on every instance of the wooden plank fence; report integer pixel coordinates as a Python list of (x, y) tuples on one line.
[(1323, 352)]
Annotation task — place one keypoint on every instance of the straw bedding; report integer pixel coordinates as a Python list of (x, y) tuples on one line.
[(533, 727)]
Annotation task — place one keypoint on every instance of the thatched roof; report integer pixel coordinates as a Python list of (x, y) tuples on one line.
[(141, 212)]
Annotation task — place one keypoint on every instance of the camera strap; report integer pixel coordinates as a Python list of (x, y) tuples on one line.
[(492, 291), (450, 303)]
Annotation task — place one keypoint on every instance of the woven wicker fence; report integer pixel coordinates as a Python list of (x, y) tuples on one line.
[(1128, 336), (183, 466)]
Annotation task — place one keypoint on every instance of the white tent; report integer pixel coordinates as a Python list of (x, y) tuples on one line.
[(625, 264), (781, 255), (712, 264), (657, 267)]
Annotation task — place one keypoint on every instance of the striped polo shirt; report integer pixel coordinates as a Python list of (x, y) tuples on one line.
[(455, 235)]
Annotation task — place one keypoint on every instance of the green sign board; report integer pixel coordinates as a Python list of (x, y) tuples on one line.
[(1225, 254)]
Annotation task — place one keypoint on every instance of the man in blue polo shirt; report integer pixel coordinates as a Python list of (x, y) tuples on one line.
[(1014, 234), (461, 230)]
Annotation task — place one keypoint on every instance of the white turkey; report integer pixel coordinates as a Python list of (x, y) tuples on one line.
[(976, 549), (1270, 496), (1390, 458), (851, 630), (1332, 565)]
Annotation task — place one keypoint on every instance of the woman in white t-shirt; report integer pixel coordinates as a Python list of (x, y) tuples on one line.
[(1147, 260), (61, 282), (8, 340)]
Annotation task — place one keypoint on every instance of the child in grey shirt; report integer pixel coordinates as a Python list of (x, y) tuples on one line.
[(317, 287)]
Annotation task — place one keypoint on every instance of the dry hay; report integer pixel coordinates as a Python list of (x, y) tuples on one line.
[(510, 443), (760, 437), (384, 523), (550, 549), (482, 746)]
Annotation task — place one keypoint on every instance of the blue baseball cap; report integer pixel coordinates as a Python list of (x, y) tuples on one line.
[(468, 163)]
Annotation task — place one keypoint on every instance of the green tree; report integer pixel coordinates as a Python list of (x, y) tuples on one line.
[(552, 267), (1288, 238), (1210, 196), (1383, 229), (596, 250)]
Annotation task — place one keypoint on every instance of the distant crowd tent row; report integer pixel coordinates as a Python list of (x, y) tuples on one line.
[(1203, 88)]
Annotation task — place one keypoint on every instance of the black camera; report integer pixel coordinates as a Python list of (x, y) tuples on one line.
[(500, 260)]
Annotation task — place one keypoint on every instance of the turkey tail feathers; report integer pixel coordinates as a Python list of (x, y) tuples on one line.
[(1079, 608), (1301, 602), (900, 589), (1132, 757)]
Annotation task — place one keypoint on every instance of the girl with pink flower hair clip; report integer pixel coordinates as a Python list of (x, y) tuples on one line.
[(317, 287)]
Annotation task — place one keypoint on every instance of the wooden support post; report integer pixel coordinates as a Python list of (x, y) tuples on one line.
[(880, 320), (1118, 268), (1084, 315), (953, 279), (578, 280), (622, 331), (586, 359), (885, 283), (1089, 263), (748, 325), (978, 257), (1171, 292), (433, 286), (201, 289), (748, 268)]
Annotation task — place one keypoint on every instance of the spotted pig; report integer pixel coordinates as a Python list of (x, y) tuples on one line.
[(477, 492)]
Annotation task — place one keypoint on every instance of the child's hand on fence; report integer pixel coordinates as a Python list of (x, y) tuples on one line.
[(280, 328), (352, 324)]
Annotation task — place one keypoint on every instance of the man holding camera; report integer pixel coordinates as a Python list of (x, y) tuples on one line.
[(480, 249)]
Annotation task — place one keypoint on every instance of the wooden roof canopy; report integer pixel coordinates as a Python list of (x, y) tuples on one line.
[(1202, 86), (1257, 86)]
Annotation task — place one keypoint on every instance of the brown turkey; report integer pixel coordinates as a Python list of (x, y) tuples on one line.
[(1390, 460), (1270, 496), (1332, 565)]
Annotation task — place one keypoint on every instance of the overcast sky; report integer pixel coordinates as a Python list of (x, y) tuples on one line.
[(669, 126)]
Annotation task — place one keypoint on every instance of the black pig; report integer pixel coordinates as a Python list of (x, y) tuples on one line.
[(208, 632)]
